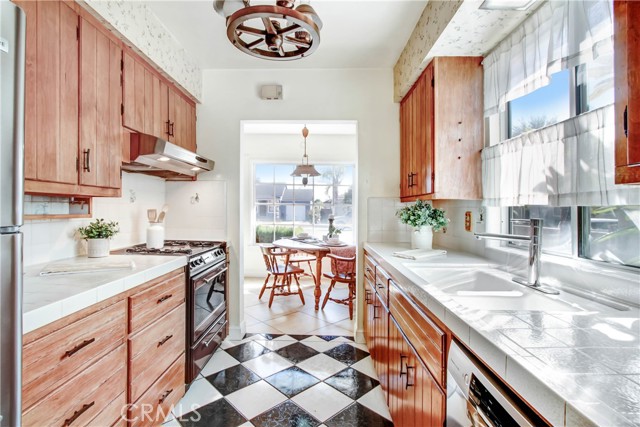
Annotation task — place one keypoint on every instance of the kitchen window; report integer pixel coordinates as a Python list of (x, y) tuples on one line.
[(284, 207), (608, 234)]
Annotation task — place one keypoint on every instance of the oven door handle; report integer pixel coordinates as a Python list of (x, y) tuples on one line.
[(213, 275)]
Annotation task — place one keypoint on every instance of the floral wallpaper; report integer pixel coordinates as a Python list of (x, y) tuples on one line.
[(142, 29), (414, 57)]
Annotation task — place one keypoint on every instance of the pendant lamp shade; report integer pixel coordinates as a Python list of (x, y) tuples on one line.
[(304, 169)]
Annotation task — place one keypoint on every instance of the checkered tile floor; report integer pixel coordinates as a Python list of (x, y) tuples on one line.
[(285, 381)]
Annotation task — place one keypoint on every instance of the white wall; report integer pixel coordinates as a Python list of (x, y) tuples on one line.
[(284, 148), (50, 240), (230, 96)]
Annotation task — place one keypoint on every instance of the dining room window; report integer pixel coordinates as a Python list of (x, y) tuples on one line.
[(284, 207)]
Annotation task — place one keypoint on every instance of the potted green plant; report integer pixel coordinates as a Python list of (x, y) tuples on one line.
[(97, 234), (425, 219)]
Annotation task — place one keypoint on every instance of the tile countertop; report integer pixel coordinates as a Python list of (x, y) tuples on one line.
[(49, 298), (575, 368)]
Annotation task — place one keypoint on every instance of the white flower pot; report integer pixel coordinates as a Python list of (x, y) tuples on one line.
[(97, 248), (422, 238)]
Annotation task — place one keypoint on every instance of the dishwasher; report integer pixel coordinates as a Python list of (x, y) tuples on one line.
[(476, 399)]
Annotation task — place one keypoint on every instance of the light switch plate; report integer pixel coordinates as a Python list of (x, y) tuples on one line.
[(467, 221)]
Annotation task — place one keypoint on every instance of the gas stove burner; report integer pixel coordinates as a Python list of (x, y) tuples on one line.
[(191, 243), (164, 251)]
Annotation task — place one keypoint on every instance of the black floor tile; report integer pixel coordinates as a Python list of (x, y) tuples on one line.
[(347, 354), (292, 381), (232, 379), (216, 414), (353, 383), (271, 336), (296, 352), (286, 414), (300, 337), (247, 351), (328, 338), (357, 415)]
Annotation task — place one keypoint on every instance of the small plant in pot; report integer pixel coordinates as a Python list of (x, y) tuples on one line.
[(334, 234), (425, 219), (97, 234)]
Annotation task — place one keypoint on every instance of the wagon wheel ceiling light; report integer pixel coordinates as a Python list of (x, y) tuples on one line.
[(279, 32)]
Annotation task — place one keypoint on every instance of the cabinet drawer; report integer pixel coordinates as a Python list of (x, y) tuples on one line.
[(154, 348), (94, 397), (152, 303), (382, 285), (155, 404), (369, 268), (52, 360), (423, 334)]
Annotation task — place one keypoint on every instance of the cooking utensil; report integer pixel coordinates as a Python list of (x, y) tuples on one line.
[(152, 215), (161, 216)]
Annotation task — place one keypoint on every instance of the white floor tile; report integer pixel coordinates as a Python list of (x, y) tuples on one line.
[(320, 345), (220, 361), (273, 345), (330, 403), (263, 313), (250, 320), (297, 323), (375, 401), (366, 367), (255, 399), (331, 329), (321, 366), (200, 393), (263, 328), (268, 364), (172, 423)]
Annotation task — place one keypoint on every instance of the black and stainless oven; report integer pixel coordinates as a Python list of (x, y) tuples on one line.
[(207, 307)]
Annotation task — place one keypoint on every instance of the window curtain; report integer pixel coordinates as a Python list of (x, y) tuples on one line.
[(566, 164), (559, 35)]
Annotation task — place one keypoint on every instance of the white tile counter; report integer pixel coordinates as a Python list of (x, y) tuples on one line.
[(49, 298), (576, 368)]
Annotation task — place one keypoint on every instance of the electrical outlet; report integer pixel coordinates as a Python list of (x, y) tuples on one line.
[(467, 221)]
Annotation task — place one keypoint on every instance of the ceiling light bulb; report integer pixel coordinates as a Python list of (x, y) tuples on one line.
[(163, 159), (195, 168), (305, 181)]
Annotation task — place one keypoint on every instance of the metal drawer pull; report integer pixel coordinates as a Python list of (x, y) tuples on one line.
[(165, 339), (171, 129), (77, 414), (164, 298), (367, 297), (402, 372), (374, 311), (164, 396), (87, 159), (168, 123), (407, 385), (380, 286), (79, 347)]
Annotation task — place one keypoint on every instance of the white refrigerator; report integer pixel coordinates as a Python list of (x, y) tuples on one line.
[(12, 64)]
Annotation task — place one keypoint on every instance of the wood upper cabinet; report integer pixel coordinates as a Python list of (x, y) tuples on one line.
[(441, 132), (68, 103), (152, 106), (627, 91), (51, 98), (100, 99)]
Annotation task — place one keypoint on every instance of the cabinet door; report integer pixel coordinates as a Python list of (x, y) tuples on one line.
[(368, 318), (381, 340), (56, 94), (100, 99), (405, 149), (133, 93), (415, 399), (627, 91)]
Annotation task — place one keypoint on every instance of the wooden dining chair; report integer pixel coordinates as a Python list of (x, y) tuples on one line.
[(343, 270), (278, 265), (302, 257)]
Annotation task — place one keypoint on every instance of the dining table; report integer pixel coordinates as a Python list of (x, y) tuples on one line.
[(311, 246)]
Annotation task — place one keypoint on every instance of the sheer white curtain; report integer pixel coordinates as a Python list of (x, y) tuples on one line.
[(566, 164), (560, 34)]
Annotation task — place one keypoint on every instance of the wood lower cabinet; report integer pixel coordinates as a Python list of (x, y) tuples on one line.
[(627, 91), (119, 362), (441, 132), (408, 351)]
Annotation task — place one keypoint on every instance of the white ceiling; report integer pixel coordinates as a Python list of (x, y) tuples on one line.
[(355, 33)]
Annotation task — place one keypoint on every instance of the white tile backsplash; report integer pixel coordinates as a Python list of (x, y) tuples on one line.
[(382, 223), (49, 240)]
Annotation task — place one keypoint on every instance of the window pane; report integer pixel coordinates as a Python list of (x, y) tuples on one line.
[(556, 226), (540, 108), (612, 234), (595, 83)]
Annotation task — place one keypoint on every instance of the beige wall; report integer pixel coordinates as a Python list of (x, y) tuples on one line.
[(231, 96)]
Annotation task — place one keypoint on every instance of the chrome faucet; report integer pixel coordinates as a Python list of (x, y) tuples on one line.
[(535, 249)]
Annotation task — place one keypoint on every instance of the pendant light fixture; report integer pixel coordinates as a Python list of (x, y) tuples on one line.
[(280, 32), (304, 169)]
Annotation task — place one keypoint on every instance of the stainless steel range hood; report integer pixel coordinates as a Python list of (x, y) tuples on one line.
[(155, 156)]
